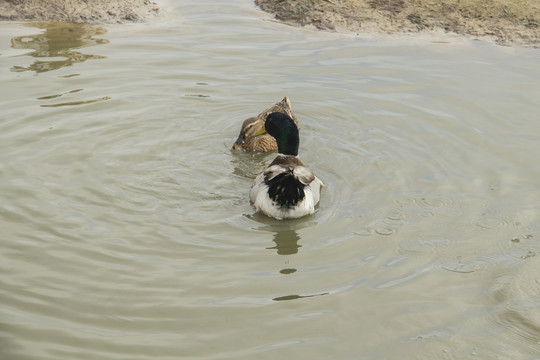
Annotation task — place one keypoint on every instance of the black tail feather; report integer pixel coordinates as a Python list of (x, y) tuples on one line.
[(285, 189)]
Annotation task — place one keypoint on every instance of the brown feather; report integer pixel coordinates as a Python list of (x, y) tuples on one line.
[(287, 160), (283, 106), (263, 143)]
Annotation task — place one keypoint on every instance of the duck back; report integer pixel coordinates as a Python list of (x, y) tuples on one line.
[(284, 188)]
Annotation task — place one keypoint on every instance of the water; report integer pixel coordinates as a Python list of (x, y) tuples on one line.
[(126, 227)]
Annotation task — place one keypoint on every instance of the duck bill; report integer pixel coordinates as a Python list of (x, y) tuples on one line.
[(239, 142)]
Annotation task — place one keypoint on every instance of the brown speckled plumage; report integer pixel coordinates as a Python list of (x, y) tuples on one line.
[(263, 143)]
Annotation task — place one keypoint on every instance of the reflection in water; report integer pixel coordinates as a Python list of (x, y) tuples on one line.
[(286, 242), (58, 40), (295, 297), (248, 164), (58, 95), (71, 103), (287, 271)]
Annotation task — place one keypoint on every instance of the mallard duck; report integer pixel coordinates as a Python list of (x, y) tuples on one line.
[(286, 189), (264, 143), (247, 141)]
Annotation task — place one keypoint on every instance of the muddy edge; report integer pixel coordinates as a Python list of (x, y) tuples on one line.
[(78, 11), (507, 22)]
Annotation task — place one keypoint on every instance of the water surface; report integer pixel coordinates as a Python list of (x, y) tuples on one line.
[(126, 227)]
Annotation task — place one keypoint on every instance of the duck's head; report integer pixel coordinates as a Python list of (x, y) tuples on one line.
[(249, 127), (281, 127)]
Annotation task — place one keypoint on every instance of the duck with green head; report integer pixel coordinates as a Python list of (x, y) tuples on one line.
[(286, 189), (264, 143)]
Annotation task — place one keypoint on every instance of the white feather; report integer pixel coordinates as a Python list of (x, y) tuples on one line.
[(263, 203)]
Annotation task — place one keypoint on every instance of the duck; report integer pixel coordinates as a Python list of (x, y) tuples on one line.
[(263, 143), (247, 141), (286, 189)]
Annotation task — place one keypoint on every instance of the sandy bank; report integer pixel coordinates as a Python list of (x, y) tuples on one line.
[(507, 22), (106, 11)]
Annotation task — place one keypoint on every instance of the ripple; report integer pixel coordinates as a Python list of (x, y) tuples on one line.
[(420, 247), (466, 266), (384, 231), (80, 102), (364, 231), (522, 247), (491, 219), (491, 222), (58, 95), (396, 218), (403, 278), (405, 201), (518, 295), (434, 202)]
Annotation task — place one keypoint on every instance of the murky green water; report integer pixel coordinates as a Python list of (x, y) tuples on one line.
[(126, 227)]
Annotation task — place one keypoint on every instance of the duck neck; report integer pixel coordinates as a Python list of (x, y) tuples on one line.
[(288, 144)]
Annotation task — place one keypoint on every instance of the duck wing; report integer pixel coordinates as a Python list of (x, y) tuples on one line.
[(283, 106)]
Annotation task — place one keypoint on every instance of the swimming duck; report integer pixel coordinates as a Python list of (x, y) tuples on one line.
[(264, 143), (286, 189)]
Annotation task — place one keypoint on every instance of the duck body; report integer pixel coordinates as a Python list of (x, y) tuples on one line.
[(263, 143), (287, 189)]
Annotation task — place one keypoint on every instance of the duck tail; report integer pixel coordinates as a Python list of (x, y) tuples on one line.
[(286, 188)]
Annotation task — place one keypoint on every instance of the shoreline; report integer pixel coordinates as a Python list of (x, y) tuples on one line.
[(504, 22), (78, 11)]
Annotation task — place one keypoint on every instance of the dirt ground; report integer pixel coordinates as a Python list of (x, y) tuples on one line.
[(105, 11), (507, 22)]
